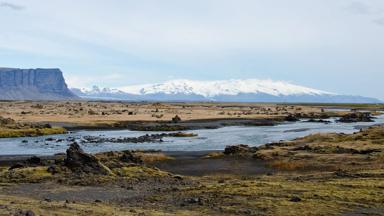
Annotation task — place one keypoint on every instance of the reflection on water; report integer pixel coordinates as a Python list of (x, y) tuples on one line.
[(208, 139)]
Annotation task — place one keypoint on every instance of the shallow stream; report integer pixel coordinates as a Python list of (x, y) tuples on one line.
[(207, 139)]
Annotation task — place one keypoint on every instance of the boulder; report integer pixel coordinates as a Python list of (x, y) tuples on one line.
[(34, 161), (25, 213), (53, 169), (312, 120), (291, 118), (295, 199), (176, 119), (129, 157), (16, 166), (237, 150), (80, 162)]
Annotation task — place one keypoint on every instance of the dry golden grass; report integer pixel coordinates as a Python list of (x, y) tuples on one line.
[(153, 157), (109, 112)]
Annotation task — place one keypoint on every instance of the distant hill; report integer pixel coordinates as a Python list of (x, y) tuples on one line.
[(33, 84), (250, 90)]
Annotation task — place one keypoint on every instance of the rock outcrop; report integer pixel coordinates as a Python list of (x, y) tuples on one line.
[(80, 162), (239, 150), (33, 84), (356, 117)]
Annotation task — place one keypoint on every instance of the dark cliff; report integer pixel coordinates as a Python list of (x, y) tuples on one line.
[(33, 84)]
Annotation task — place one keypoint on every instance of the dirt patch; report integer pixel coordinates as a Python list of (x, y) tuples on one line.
[(194, 164)]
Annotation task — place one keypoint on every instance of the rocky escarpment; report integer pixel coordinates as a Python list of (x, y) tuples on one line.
[(33, 84)]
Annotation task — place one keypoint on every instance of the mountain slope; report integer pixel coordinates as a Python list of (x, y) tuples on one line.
[(251, 90)]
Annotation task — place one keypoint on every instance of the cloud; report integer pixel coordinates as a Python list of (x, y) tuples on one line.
[(379, 21), (11, 6), (363, 8), (148, 41), (358, 7), (78, 81)]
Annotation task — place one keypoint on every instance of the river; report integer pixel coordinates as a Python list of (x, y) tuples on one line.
[(207, 139)]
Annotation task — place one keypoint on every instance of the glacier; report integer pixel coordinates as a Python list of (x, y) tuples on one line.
[(234, 90)]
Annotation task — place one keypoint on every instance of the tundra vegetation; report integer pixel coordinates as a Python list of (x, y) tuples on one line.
[(320, 174)]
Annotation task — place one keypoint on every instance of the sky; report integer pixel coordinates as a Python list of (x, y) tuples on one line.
[(332, 45)]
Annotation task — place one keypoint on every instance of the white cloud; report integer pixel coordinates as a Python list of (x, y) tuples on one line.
[(359, 7), (11, 6), (174, 28), (175, 31), (379, 21), (78, 81), (233, 38)]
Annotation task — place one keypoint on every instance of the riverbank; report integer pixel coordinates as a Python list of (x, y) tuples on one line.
[(321, 174)]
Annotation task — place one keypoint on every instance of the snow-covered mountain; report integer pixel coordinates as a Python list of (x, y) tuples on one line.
[(250, 90), (210, 89)]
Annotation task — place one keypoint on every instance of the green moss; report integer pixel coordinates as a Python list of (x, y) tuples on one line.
[(30, 132), (27, 175)]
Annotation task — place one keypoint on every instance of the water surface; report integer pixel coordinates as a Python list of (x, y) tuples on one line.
[(208, 139)]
